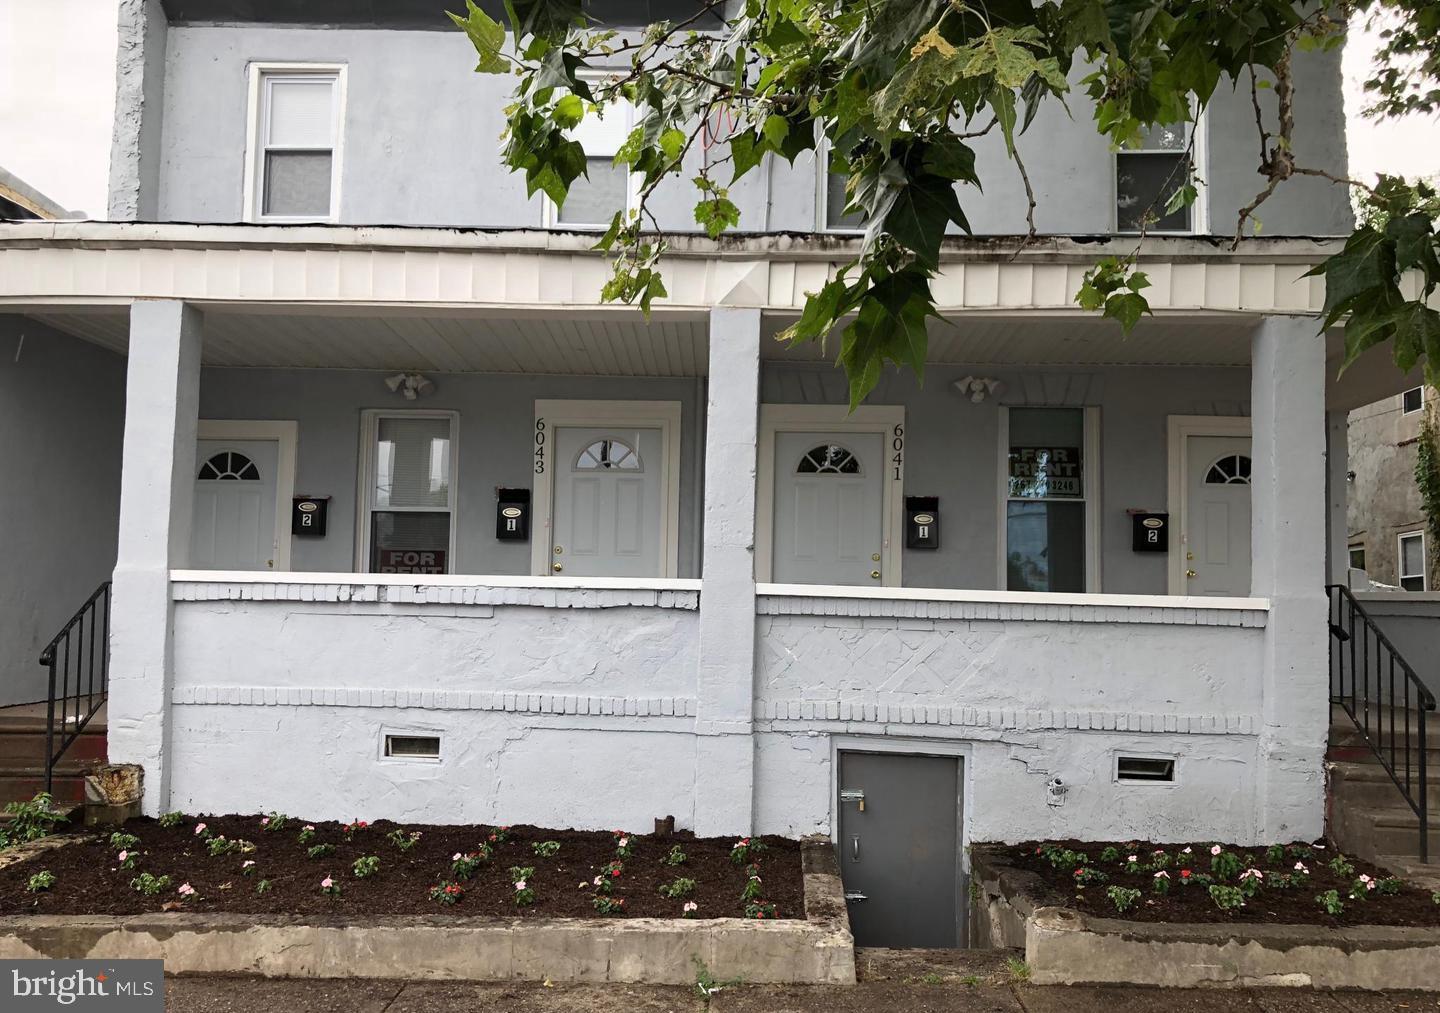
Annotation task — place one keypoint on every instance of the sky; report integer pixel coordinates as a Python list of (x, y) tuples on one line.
[(57, 82)]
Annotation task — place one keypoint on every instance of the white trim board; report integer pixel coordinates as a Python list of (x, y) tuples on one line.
[(553, 414), (435, 580), (790, 418), (1153, 601), (1179, 429), (286, 434)]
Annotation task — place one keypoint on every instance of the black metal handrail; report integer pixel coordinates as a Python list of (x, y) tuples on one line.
[(1360, 651), (73, 652)]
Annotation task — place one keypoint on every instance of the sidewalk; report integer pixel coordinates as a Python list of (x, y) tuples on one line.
[(893, 981)]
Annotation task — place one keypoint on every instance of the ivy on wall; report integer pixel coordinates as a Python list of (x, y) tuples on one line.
[(1427, 478)]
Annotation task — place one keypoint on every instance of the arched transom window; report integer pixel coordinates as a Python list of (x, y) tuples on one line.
[(828, 459), (1232, 469), (613, 455), (229, 466)]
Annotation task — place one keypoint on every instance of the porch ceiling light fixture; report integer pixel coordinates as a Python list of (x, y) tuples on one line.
[(409, 385), (978, 388)]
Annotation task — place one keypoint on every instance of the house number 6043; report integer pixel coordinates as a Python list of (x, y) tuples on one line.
[(897, 445), (539, 446)]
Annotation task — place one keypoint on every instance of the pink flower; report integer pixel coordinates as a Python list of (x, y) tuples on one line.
[(124, 855), (326, 883), (264, 821), (519, 885), (1162, 874), (690, 905), (455, 857), (1185, 850), (186, 890), (597, 880), (1300, 867), (199, 828), (1133, 858), (624, 841), (1215, 850), (1252, 874), (246, 864)]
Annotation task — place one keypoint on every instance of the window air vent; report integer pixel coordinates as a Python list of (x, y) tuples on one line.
[(413, 747), (1145, 768)]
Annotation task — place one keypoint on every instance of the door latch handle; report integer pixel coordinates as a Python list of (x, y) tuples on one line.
[(855, 895), (854, 847), (1190, 574)]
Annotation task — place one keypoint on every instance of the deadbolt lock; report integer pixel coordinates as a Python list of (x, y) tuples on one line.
[(874, 574), (1190, 573), (559, 549), (875, 557)]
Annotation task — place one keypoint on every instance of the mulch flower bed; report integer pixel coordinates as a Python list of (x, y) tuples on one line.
[(282, 865), (1309, 884)]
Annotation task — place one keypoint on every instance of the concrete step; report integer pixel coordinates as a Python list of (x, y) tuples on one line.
[(1381, 721), (23, 784), (27, 748)]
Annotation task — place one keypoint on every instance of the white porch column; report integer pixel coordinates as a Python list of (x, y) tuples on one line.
[(1288, 544), (725, 750), (1337, 496), (157, 480)]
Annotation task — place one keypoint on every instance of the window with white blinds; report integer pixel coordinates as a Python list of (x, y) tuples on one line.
[(297, 138), (408, 522), (606, 187)]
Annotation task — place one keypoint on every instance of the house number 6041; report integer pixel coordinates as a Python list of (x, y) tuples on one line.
[(539, 446), (897, 444)]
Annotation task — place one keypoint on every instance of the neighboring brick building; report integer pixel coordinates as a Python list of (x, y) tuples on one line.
[(1387, 536)]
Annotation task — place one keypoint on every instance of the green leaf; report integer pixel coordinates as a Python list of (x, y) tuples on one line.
[(1127, 308), (569, 111), (717, 215), (487, 35), (821, 311), (746, 152), (775, 129), (919, 215), (1002, 101), (672, 143)]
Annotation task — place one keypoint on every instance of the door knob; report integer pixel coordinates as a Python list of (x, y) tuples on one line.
[(1190, 573), (875, 574), (556, 567)]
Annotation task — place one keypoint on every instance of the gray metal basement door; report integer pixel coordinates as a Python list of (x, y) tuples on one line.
[(900, 849)]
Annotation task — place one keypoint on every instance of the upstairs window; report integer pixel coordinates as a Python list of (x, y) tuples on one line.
[(1149, 172), (293, 172), (1412, 561), (606, 187), (1412, 401)]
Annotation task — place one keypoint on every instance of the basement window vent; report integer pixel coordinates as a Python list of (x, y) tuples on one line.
[(1149, 769), (413, 747)]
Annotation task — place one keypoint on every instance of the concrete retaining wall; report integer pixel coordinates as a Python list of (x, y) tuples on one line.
[(1064, 947), (816, 950)]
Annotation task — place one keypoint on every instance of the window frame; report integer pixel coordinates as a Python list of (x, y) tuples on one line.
[(1400, 575), (260, 75), (550, 211), (1091, 474), (822, 194), (1416, 410), (1350, 551), (365, 483), (1199, 211)]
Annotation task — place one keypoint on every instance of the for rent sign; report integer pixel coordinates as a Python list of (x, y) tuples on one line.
[(410, 561), (1037, 472)]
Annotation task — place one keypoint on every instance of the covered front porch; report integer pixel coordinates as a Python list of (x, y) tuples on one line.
[(590, 537)]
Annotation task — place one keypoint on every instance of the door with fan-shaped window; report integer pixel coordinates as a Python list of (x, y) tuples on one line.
[(609, 484), (233, 526), (1217, 516), (829, 508)]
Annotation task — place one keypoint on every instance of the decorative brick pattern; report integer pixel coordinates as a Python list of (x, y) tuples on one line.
[(431, 594), (892, 608), (776, 715), (442, 700)]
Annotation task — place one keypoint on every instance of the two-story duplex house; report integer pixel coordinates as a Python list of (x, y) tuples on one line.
[(411, 525)]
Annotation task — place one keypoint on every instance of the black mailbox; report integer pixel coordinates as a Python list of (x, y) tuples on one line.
[(922, 522), (512, 515), (307, 515), (1150, 532)]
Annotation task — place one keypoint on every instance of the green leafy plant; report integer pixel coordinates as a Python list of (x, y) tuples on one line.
[(498, 836), (622, 843), (464, 866), (1088, 875), (706, 983), (609, 905), (149, 885), (330, 887), (1275, 854), (121, 841), (1160, 882), (306, 834), (1300, 852), (320, 850), (761, 909), (220, 845), (1330, 902), (1340, 865), (1227, 898), (609, 873), (1018, 970), (447, 892), (546, 849), (42, 880), (1224, 864), (170, 820), (30, 821), (520, 878), (1427, 475), (365, 867), (274, 822), (247, 867), (1388, 887), (674, 857), (1110, 854), (745, 850), (1124, 898), (263, 886), (754, 886), (679, 887), (403, 840)]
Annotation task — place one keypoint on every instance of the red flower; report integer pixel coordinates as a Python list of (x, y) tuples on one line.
[(614, 872), (1184, 873), (1079, 872)]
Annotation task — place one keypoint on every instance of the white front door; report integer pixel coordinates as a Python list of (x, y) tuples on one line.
[(829, 508), (1217, 515), (609, 484), (235, 510)]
